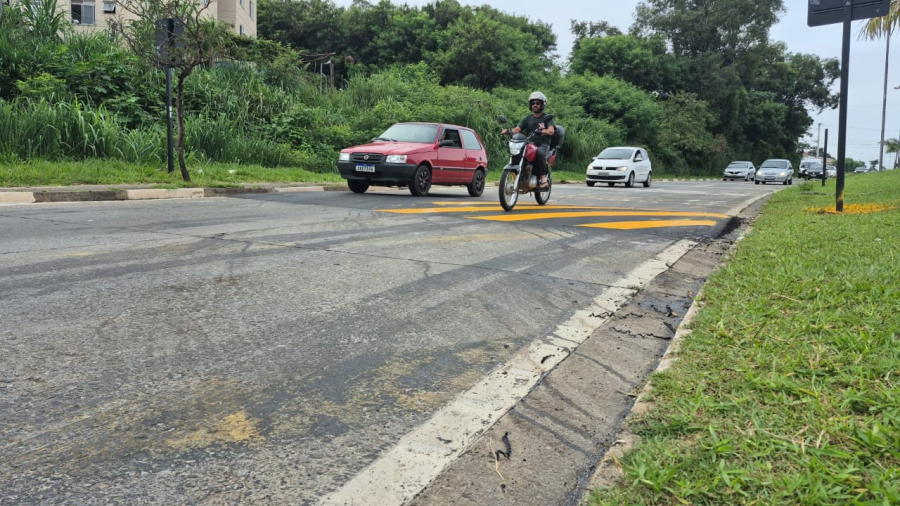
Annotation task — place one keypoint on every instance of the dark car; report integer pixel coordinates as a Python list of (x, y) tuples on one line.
[(812, 171), (417, 155)]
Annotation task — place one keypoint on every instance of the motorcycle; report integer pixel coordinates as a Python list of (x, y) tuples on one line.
[(517, 175)]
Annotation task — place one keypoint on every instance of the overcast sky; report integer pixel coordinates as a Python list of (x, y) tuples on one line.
[(867, 58)]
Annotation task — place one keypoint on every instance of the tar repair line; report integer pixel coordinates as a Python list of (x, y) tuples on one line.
[(406, 469)]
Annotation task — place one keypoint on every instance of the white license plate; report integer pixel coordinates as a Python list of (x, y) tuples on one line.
[(365, 168)]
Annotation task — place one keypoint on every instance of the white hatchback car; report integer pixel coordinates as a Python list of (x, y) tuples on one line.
[(627, 165)]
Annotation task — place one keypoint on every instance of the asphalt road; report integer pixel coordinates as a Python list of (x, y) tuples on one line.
[(267, 349)]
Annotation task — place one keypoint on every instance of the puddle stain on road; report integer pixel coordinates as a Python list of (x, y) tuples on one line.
[(234, 428)]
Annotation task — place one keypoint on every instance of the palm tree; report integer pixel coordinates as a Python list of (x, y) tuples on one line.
[(893, 146), (876, 28)]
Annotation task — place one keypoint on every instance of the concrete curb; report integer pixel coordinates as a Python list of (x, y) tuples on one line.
[(76, 194), (93, 195), (609, 470)]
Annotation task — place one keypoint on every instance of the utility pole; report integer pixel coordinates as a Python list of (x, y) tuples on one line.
[(331, 80), (818, 136), (887, 52)]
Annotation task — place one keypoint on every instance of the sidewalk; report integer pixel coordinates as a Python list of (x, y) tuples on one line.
[(85, 193)]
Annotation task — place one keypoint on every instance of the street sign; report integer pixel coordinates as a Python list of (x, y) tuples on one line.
[(169, 33), (826, 12)]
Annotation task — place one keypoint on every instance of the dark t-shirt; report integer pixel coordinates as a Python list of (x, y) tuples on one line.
[(530, 123)]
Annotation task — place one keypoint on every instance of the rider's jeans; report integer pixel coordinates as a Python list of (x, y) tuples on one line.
[(539, 167)]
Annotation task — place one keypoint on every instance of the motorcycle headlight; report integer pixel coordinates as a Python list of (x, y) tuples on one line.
[(344, 157), (396, 159), (516, 147)]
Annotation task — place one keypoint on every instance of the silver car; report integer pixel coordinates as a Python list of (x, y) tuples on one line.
[(775, 170), (739, 170)]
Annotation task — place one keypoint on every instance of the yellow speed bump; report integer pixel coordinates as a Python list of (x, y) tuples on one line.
[(594, 214), (632, 225)]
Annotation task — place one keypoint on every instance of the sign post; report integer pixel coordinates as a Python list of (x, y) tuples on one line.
[(167, 32), (826, 12)]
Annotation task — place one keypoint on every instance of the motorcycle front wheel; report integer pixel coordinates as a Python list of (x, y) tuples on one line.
[(543, 195), (509, 194)]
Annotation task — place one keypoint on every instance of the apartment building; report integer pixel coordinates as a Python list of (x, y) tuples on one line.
[(92, 15)]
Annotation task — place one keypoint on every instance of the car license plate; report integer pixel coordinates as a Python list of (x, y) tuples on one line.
[(365, 168)]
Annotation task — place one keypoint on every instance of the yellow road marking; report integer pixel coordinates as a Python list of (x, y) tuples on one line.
[(631, 225), (590, 214), (525, 206), (569, 211)]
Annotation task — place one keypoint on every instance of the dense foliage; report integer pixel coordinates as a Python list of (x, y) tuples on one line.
[(695, 96)]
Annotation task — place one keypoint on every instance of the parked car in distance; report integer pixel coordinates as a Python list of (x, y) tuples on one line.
[(622, 164), (775, 170), (739, 170), (860, 170), (417, 155), (831, 171)]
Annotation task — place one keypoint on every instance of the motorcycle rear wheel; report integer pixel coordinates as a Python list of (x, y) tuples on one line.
[(542, 196), (509, 194)]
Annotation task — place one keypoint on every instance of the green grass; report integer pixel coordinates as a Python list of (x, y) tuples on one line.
[(787, 391), (111, 172)]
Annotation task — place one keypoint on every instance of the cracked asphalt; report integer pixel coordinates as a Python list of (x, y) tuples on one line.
[(264, 349)]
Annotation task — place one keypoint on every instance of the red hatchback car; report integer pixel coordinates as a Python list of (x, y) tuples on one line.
[(417, 155)]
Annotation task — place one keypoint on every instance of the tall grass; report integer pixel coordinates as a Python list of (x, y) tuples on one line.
[(69, 130), (94, 102)]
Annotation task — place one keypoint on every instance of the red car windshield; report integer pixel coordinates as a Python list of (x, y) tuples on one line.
[(410, 132)]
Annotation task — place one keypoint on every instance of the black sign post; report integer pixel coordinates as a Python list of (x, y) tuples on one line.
[(168, 31), (826, 12), (825, 160)]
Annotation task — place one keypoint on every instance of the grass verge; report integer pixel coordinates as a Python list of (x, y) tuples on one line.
[(787, 390), (112, 172), (37, 173)]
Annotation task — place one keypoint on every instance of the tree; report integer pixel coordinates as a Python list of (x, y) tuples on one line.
[(204, 40), (876, 28), (685, 140), (631, 110), (893, 146), (640, 61), (695, 27), (483, 53), (883, 26)]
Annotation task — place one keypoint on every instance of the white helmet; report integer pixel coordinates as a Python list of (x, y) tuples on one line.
[(537, 96)]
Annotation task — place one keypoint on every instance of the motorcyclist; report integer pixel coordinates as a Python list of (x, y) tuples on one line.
[(537, 102)]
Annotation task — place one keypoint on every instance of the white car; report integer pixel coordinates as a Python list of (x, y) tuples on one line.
[(739, 170), (626, 165), (775, 170)]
